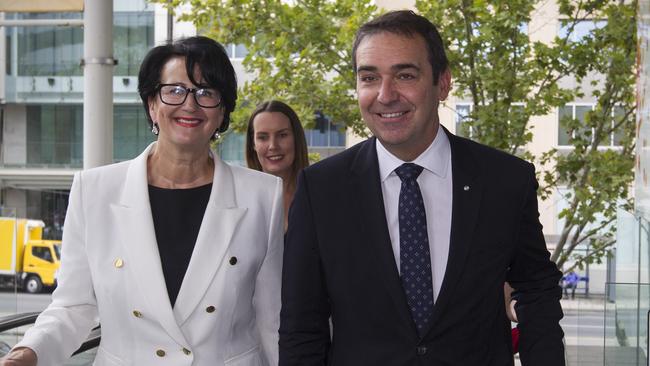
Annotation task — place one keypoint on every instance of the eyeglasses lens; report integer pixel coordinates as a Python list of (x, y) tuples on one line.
[(176, 95)]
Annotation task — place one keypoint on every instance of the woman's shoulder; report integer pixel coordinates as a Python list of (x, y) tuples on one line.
[(110, 171), (243, 173)]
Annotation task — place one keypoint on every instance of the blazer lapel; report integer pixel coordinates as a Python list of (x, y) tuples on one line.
[(366, 186), (467, 192), (220, 220), (141, 251)]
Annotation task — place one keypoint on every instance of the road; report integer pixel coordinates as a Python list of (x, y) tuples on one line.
[(11, 303)]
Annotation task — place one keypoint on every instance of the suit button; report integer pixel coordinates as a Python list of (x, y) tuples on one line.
[(137, 314), (160, 353), (233, 260), (187, 351), (422, 350), (210, 309)]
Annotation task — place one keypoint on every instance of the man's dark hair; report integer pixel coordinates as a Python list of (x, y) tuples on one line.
[(406, 23), (211, 59)]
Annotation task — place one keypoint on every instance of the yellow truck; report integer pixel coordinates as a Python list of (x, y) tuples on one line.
[(25, 258)]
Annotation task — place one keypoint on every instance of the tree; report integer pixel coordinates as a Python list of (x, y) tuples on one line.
[(510, 79), (300, 52)]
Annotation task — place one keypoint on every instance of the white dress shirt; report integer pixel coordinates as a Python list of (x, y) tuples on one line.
[(436, 186)]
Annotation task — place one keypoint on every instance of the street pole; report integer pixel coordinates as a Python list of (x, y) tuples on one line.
[(170, 23), (98, 64)]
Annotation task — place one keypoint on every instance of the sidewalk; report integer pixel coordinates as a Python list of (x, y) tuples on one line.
[(595, 302)]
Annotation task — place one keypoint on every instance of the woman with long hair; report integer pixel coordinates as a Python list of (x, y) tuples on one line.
[(275, 144)]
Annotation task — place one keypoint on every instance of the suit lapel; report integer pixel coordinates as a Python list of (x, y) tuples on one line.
[(141, 252), (219, 222), (467, 192), (366, 186)]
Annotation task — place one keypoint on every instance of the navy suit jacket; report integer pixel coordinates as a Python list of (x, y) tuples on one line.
[(338, 262)]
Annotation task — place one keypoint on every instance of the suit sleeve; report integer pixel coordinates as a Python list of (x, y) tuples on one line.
[(268, 282), (66, 322), (304, 319), (535, 280)]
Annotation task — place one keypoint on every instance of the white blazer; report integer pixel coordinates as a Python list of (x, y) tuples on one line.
[(228, 306)]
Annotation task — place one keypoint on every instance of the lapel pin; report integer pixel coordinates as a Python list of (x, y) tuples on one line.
[(466, 188)]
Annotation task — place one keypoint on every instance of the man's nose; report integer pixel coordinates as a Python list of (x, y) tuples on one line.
[(387, 92)]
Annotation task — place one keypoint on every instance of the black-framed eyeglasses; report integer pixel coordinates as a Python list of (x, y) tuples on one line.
[(174, 94)]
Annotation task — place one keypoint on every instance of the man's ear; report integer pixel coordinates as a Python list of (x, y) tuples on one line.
[(444, 84)]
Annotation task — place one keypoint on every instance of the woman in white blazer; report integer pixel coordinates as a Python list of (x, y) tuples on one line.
[(176, 253)]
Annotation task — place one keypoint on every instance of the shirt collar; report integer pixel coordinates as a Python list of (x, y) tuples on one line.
[(435, 158)]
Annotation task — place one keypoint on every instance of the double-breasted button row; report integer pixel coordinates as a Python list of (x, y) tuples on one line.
[(162, 353)]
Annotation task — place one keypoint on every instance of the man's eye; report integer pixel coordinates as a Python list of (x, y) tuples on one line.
[(406, 76), (367, 78)]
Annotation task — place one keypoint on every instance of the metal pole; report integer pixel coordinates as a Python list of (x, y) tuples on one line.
[(98, 66), (170, 23)]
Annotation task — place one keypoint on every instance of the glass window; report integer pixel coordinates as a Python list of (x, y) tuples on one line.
[(57, 251), (133, 36), (236, 50), (51, 51), (57, 51), (131, 132), (8, 48), (565, 114), (232, 148), (579, 112), (619, 112), (42, 253), (54, 135), (581, 115), (462, 114), (50, 206), (325, 134)]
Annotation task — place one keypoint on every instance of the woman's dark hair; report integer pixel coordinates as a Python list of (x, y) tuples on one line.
[(406, 23), (212, 61), (300, 158)]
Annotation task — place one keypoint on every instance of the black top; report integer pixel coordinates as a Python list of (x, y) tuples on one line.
[(177, 216)]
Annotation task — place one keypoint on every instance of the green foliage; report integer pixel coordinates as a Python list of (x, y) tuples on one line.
[(508, 79), (600, 178), (300, 54)]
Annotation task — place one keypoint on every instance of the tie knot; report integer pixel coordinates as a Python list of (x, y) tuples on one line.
[(408, 172)]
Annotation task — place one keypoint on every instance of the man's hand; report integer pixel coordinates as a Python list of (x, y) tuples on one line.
[(21, 356), (510, 303)]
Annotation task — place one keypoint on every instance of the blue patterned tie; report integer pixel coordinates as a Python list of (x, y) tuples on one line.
[(415, 260)]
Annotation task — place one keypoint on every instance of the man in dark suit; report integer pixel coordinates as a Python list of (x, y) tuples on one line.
[(406, 239)]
